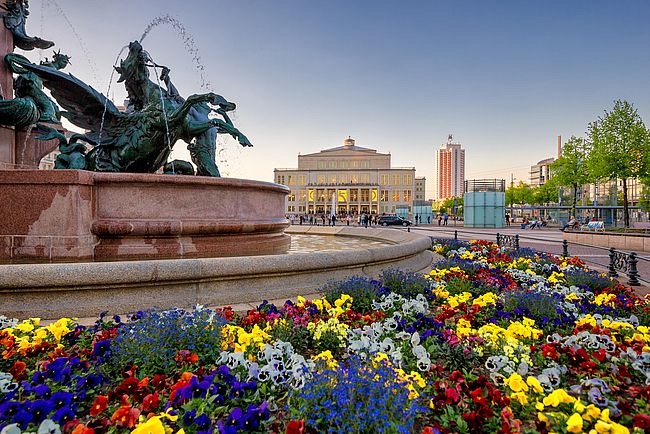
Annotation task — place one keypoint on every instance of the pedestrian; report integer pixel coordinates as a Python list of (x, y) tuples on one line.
[(507, 219), (428, 219), (301, 219), (446, 217), (333, 220), (439, 219)]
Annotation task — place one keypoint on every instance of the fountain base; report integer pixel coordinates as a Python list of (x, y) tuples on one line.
[(72, 215)]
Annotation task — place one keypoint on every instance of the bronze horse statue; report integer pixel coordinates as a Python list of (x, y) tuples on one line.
[(141, 138)]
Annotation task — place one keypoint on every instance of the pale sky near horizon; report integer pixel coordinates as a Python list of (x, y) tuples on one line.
[(504, 77)]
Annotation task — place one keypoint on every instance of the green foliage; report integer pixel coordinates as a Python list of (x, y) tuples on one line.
[(457, 285), (620, 148), (153, 339), (408, 285), (521, 193), (454, 357), (537, 305), (298, 336), (362, 290), (590, 279), (546, 193), (571, 169)]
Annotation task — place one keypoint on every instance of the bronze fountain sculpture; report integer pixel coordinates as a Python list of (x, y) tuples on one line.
[(139, 139)]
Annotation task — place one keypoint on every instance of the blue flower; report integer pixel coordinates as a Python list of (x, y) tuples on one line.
[(63, 415), (40, 409)]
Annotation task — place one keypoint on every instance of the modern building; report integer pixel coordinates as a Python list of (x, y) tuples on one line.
[(450, 170), (540, 172), (349, 179)]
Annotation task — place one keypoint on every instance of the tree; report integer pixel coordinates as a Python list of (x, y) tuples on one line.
[(523, 194), (546, 193), (570, 169), (620, 147)]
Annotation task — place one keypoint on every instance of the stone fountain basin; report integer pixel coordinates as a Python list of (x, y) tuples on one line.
[(56, 290), (75, 215)]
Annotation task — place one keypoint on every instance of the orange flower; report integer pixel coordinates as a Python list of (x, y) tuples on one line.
[(125, 416), (82, 429)]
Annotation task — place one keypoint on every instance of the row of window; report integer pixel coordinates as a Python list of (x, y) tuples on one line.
[(346, 178), (350, 195), (319, 209), (344, 164)]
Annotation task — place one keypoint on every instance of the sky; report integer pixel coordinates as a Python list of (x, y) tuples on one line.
[(506, 77)]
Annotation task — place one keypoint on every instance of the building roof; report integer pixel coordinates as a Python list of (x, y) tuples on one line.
[(348, 145)]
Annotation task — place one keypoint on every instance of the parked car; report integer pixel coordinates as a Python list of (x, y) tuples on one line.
[(393, 220)]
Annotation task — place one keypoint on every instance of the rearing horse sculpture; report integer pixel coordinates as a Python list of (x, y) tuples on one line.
[(139, 140)]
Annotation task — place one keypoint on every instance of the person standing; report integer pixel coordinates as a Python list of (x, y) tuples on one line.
[(333, 220), (446, 217), (507, 219)]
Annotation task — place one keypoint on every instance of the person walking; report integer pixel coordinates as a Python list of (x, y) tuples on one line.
[(445, 218), (507, 219)]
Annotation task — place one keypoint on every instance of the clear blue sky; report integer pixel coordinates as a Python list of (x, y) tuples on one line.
[(505, 77)]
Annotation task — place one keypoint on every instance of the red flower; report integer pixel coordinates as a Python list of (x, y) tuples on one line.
[(642, 421), (296, 427), (600, 355), (452, 396), (100, 404), (150, 402), (549, 351), (18, 371)]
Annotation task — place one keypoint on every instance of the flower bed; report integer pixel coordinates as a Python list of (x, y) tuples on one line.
[(492, 341)]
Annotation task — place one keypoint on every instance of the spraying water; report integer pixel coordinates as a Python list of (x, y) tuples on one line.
[(188, 41), (108, 92), (84, 50), (22, 154)]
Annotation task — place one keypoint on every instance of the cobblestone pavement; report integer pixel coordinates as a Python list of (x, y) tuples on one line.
[(546, 240)]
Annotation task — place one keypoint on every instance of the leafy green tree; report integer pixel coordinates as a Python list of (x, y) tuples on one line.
[(449, 203), (620, 147), (570, 169), (546, 193), (523, 194)]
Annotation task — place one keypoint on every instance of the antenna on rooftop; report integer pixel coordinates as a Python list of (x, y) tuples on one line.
[(450, 139)]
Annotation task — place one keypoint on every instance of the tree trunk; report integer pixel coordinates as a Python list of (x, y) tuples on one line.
[(626, 207)]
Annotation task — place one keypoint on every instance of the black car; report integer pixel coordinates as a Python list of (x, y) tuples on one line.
[(393, 220)]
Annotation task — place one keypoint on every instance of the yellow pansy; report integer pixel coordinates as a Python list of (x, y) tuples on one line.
[(520, 397), (574, 423), (516, 383), (488, 298), (557, 397), (534, 384), (153, 425)]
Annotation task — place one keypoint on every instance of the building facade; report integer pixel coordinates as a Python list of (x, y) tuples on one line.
[(420, 188), (541, 172), (450, 170), (348, 179)]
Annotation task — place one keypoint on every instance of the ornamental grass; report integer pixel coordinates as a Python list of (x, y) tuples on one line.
[(490, 341)]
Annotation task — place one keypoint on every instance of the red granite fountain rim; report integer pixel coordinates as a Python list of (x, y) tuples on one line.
[(83, 177)]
